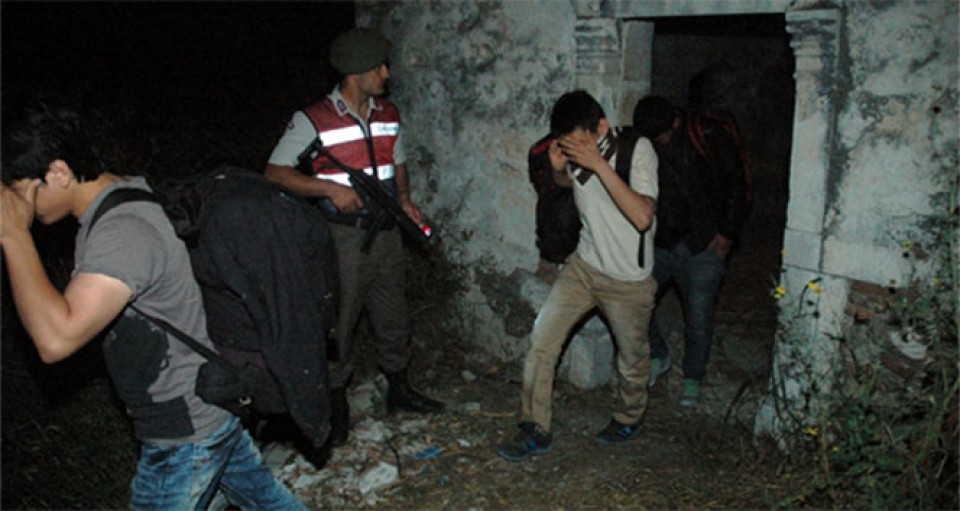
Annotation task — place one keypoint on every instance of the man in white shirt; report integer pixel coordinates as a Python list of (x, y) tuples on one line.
[(610, 270)]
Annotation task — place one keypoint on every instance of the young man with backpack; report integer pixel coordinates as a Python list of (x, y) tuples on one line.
[(609, 269), (704, 201), (131, 257)]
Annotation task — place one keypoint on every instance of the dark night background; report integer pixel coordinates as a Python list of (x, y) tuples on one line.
[(180, 87), (166, 70)]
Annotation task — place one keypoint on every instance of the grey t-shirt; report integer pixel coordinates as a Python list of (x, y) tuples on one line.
[(155, 374)]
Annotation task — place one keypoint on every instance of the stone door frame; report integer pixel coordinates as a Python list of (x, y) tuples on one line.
[(614, 60)]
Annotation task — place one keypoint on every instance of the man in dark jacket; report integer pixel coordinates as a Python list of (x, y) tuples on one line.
[(702, 206), (558, 220)]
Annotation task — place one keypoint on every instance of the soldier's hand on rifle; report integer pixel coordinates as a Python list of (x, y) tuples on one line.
[(411, 210), (345, 198)]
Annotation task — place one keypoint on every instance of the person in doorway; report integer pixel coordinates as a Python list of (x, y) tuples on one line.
[(609, 270), (360, 128), (130, 257), (702, 207)]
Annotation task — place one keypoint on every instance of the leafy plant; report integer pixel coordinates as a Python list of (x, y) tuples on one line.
[(884, 433)]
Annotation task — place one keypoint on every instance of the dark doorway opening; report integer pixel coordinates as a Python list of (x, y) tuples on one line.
[(759, 90)]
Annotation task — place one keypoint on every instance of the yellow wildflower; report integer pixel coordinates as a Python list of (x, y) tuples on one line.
[(907, 244), (815, 287), (779, 292), (812, 431)]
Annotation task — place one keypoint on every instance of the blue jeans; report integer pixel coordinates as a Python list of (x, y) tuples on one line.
[(187, 476), (698, 278)]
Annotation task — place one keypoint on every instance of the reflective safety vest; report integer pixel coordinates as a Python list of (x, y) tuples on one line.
[(343, 136)]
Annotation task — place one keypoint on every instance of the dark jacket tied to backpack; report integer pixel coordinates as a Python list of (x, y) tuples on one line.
[(558, 221), (705, 183), (267, 269)]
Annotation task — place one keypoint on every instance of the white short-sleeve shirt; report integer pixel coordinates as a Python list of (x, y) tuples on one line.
[(608, 241)]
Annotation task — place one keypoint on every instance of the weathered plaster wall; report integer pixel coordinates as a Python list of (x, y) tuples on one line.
[(873, 161), (875, 136), (896, 138), (659, 8), (475, 83)]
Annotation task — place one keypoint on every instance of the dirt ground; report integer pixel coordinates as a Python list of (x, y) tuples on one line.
[(686, 458), (690, 458), (701, 457), (66, 443)]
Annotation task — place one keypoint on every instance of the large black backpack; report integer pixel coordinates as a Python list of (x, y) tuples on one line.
[(267, 269), (558, 221)]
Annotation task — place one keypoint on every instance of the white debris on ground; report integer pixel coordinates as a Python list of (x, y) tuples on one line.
[(374, 459)]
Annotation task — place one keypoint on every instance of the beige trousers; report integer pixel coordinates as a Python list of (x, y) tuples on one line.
[(628, 307)]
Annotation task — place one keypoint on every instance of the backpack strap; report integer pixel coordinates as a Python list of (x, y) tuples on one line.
[(117, 197), (120, 196), (626, 143), (194, 344)]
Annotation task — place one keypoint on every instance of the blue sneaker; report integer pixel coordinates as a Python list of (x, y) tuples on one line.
[(658, 368), (530, 440), (617, 433)]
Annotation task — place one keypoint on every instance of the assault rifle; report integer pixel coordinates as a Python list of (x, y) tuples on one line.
[(383, 208)]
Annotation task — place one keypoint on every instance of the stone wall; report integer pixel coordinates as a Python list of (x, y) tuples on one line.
[(896, 144), (873, 144), (874, 164), (475, 83)]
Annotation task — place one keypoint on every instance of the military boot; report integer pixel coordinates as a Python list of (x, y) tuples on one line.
[(339, 416), (402, 398)]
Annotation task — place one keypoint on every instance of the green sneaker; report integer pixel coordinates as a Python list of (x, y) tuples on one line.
[(658, 368), (691, 392)]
